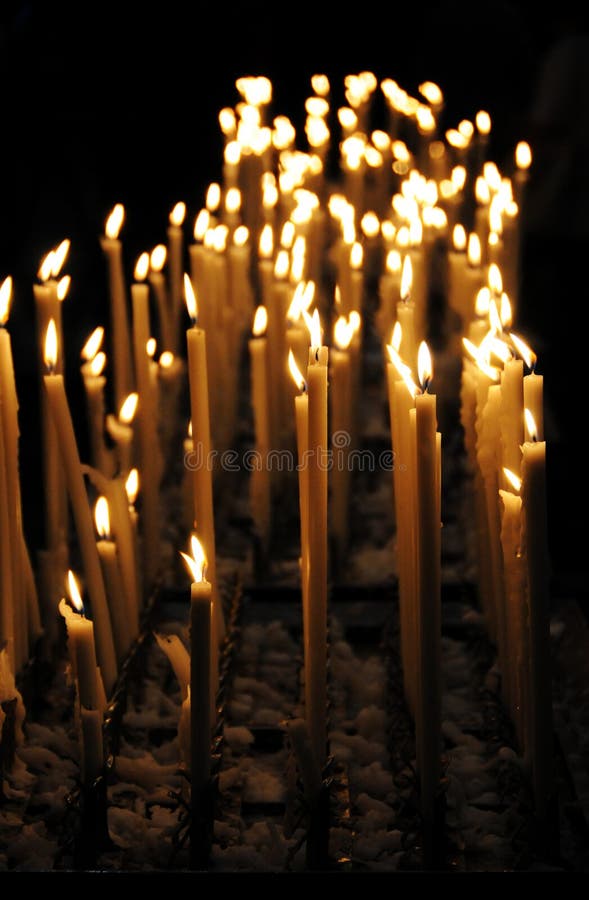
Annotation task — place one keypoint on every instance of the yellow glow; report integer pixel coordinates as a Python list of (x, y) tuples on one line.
[(227, 121), (355, 320), (308, 295), (282, 264), (128, 408), (432, 93), (178, 214), (284, 134), (370, 224), (201, 224), (426, 120), (59, 257), (495, 216), (482, 192), (473, 252), (209, 238), (425, 369), (482, 302), (114, 222), (5, 296), (388, 230), (132, 486), (231, 156), (494, 279), (320, 84), (343, 333), (458, 177), (456, 139), (287, 236), (269, 192), (213, 196), (373, 157), (295, 308), (189, 429), (256, 90), (505, 312), (483, 122), (220, 238), (415, 232), (313, 324), (397, 336), (97, 364), (233, 200), (447, 189), (356, 256), (459, 237), (196, 563), (531, 427), (466, 129), (401, 151), (190, 298), (157, 259), (524, 350), (296, 372), (166, 359), (266, 243), (406, 278), (93, 344), (102, 518), (497, 347), (393, 262), (63, 286), (402, 239), (51, 345), (437, 150), (513, 479), (260, 321), (241, 236), (46, 267), (151, 347), (403, 369), (523, 155), (74, 592), (142, 267), (316, 106), (490, 371), (492, 176), (381, 140)]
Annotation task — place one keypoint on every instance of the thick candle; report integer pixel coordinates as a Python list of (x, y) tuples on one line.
[(121, 346)]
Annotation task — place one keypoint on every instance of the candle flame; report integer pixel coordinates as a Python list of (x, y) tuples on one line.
[(425, 369), (190, 297), (393, 262), (494, 318), (482, 302), (388, 230), (296, 373), (287, 236), (492, 176), (189, 429), (231, 155), (458, 177), (151, 347), (320, 84), (456, 139), (406, 278), (51, 346), (97, 364), (475, 352), (114, 222), (63, 286), (481, 191), (355, 320), (142, 267), (166, 359), (227, 120), (524, 350), (201, 224), (59, 257), (397, 336), (381, 140), (505, 313), (233, 200), (531, 427), (46, 267), (343, 333), (241, 236), (401, 151), (459, 237), (483, 122), (178, 214), (269, 192), (260, 321), (157, 259), (347, 118), (196, 563), (128, 408), (74, 592), (213, 197), (5, 297), (498, 347), (313, 324), (132, 486), (403, 369), (473, 252), (370, 224), (356, 256), (432, 93), (102, 518), (316, 107), (523, 155), (513, 479), (494, 279), (282, 264), (266, 244), (466, 129)]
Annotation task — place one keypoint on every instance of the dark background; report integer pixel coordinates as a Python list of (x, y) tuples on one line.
[(106, 102)]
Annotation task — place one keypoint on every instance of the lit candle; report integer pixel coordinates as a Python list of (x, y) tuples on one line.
[(81, 646), (121, 348), (341, 439), (428, 532), (70, 459), (260, 477), (175, 270), (512, 414), (150, 462), (94, 384), (157, 261), (201, 697), (7, 611), (302, 430), (533, 385), (316, 689), (533, 473), (121, 431), (406, 315), (201, 439), (118, 607)]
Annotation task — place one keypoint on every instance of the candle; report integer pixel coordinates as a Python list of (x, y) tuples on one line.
[(388, 292), (341, 428), (70, 459), (81, 647), (533, 473), (533, 385), (109, 561), (316, 689), (201, 438), (7, 612), (302, 431), (157, 261), (121, 347), (428, 719), (94, 384), (201, 699), (260, 476), (512, 414), (406, 315), (175, 270), (121, 431), (146, 426)]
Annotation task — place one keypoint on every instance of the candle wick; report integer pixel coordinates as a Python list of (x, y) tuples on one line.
[(317, 354)]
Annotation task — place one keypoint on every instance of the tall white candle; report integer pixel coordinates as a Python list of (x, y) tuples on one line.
[(121, 347)]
